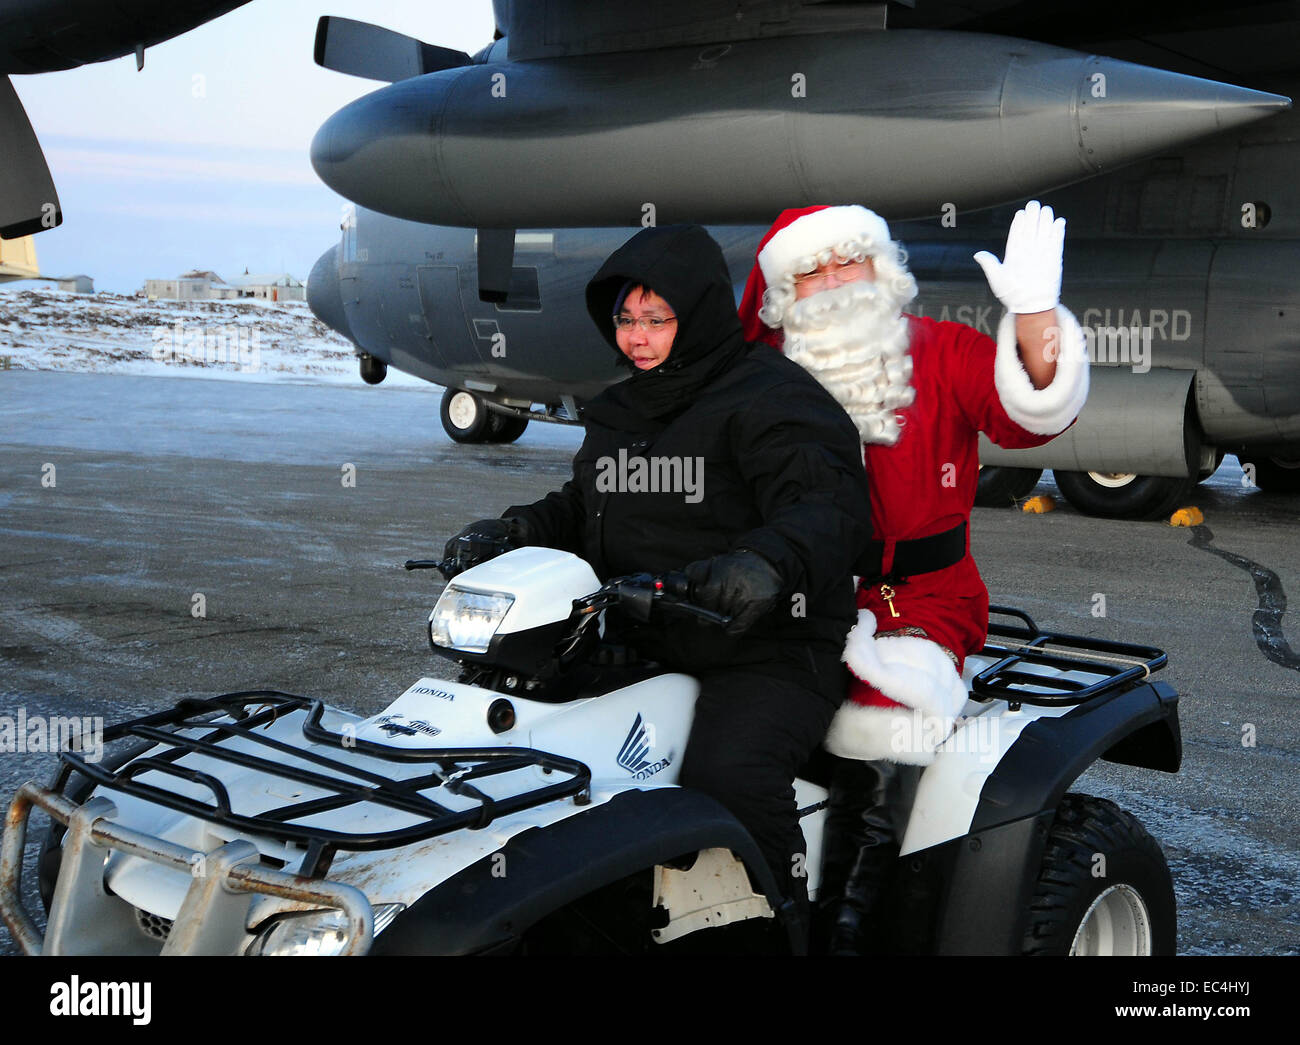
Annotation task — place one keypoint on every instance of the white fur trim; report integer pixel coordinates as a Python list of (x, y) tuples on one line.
[(818, 231), (869, 734), (1043, 411), (913, 671)]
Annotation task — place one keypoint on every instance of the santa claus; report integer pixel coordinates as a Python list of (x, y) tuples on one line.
[(829, 289)]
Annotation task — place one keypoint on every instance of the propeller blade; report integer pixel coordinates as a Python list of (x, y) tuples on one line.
[(374, 53), (28, 201)]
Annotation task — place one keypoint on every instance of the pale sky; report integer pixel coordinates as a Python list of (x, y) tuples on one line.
[(201, 160)]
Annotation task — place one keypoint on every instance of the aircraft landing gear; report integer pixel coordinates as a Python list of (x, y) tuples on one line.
[(373, 370), (1001, 487), (506, 428), (1277, 474), (467, 418), (1123, 495)]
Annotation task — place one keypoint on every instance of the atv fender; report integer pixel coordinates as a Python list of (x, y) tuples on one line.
[(538, 871), (978, 887)]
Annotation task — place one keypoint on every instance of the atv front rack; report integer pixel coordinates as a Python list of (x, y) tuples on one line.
[(198, 727), (1029, 664)]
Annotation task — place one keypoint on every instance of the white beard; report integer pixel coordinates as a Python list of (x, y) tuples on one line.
[(854, 340)]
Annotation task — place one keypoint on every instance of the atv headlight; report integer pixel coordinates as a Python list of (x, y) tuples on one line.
[(315, 932), (467, 620)]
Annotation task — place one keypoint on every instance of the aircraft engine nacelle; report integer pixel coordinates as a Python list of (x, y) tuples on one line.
[(904, 121), (1132, 423)]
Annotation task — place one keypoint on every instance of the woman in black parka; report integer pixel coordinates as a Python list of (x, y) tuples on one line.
[(771, 514)]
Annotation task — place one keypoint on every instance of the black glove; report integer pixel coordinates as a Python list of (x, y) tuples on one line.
[(511, 531), (741, 584)]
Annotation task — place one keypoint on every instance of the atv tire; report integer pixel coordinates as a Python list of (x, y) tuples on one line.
[(50, 856), (1104, 886)]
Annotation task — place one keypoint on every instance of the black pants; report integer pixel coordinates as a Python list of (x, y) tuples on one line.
[(755, 726)]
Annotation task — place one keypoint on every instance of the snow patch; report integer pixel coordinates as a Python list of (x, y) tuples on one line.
[(245, 340)]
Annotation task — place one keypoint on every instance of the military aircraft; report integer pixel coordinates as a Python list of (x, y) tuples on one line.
[(40, 36), (1181, 239)]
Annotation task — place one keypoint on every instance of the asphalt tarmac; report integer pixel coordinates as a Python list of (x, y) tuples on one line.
[(123, 499)]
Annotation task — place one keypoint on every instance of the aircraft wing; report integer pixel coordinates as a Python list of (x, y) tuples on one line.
[(41, 36), (38, 36), (559, 28), (1243, 43)]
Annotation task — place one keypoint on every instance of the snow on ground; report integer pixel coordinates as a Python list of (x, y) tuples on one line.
[(246, 340)]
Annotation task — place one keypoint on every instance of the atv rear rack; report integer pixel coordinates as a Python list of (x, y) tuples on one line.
[(197, 726), (1020, 649)]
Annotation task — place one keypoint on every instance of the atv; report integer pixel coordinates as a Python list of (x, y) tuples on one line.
[(532, 806)]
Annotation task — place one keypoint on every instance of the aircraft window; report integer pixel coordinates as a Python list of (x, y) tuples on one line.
[(349, 227), (523, 295)]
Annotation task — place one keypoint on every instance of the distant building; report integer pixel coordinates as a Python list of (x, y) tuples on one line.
[(276, 287), (18, 261), (205, 285), (190, 286)]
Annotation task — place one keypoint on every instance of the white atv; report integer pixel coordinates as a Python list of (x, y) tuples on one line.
[(533, 807)]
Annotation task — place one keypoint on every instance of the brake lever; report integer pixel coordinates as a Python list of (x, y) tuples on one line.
[(639, 592), (447, 567)]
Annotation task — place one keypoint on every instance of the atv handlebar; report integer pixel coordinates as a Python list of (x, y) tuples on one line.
[(638, 594)]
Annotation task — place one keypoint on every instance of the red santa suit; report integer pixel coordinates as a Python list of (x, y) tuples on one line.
[(906, 691)]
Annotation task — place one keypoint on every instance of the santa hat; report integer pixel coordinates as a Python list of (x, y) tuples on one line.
[(797, 235)]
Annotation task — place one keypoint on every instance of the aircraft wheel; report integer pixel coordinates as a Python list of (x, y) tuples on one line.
[(1002, 487), (1122, 495), (1104, 886), (373, 370), (1218, 460), (465, 417), (1277, 474), (506, 428)]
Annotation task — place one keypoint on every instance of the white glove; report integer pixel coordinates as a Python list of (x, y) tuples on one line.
[(1029, 280)]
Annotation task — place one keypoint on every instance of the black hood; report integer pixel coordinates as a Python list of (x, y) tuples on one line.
[(684, 265)]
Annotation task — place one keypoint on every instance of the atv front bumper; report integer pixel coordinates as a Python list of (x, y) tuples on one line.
[(213, 919)]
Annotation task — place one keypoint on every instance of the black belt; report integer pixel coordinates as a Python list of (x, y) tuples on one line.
[(922, 555)]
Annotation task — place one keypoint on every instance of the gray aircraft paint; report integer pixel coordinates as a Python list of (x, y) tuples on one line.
[(925, 117), (1218, 301)]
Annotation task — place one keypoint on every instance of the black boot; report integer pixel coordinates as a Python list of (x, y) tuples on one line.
[(859, 852)]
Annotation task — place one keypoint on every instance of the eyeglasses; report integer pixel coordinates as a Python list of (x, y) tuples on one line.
[(650, 324), (844, 272)]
